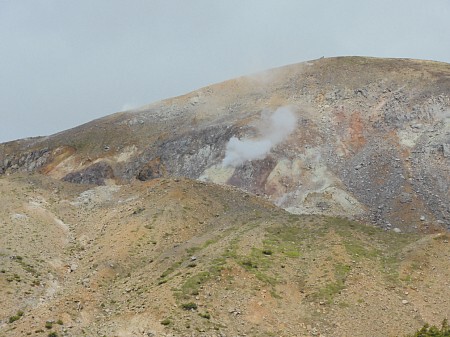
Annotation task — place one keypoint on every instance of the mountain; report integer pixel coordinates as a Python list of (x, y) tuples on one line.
[(371, 140), (308, 200)]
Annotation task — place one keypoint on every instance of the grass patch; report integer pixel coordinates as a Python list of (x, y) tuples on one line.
[(356, 250), (192, 285), (285, 240), (331, 289), (170, 270), (192, 250), (256, 260), (363, 241), (258, 263)]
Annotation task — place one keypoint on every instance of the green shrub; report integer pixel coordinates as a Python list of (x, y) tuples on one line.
[(48, 325), (189, 306), (205, 315), (433, 331), (16, 317), (166, 322)]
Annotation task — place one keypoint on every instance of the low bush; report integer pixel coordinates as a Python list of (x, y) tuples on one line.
[(166, 322), (189, 306), (433, 331)]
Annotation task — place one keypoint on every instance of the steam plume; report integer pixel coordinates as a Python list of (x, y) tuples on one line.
[(273, 129)]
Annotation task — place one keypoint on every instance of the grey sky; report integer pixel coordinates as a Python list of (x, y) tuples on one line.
[(65, 62)]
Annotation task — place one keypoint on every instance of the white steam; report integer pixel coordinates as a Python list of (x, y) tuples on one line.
[(273, 130), (128, 106)]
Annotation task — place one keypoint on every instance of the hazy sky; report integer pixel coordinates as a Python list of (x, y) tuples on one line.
[(66, 62)]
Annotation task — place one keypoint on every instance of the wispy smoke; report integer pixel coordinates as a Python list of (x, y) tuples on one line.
[(273, 130), (128, 106)]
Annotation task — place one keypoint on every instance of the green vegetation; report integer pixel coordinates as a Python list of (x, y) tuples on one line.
[(189, 306), (205, 315), (170, 270), (258, 263), (192, 250), (48, 325), (368, 242), (433, 331), (14, 277), (192, 285), (356, 250), (330, 290), (166, 322), (16, 317), (285, 240)]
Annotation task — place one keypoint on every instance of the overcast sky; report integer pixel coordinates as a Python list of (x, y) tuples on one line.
[(66, 62)]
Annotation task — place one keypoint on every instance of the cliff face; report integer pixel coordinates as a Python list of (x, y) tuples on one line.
[(371, 140)]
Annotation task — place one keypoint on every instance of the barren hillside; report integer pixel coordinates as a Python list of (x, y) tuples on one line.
[(186, 258)]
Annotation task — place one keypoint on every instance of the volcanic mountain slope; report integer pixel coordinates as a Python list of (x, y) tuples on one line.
[(371, 141), (179, 257)]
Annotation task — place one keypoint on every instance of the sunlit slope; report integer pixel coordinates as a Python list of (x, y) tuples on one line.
[(182, 257)]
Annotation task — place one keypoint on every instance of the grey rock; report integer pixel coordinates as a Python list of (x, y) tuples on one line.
[(446, 150), (405, 197)]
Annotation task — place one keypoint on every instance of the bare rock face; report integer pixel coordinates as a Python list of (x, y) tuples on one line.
[(371, 140), (93, 174)]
